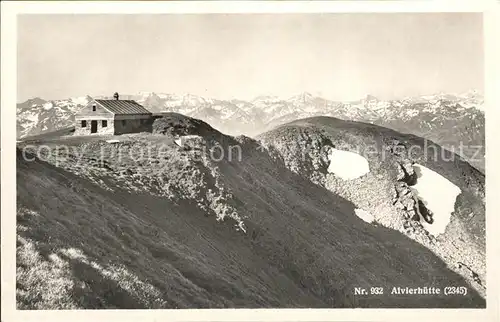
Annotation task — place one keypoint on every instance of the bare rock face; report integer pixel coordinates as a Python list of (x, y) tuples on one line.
[(405, 199), (406, 173)]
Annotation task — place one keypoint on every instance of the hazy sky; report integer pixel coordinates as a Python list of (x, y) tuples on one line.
[(338, 56)]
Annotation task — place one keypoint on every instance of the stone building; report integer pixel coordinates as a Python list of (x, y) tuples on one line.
[(112, 116)]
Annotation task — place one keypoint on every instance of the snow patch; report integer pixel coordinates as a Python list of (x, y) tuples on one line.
[(189, 137), (479, 107), (82, 100), (347, 165), (112, 141), (365, 215), (48, 106), (412, 112), (183, 139), (438, 194)]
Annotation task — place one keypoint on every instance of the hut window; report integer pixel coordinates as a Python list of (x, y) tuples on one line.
[(84, 123), (104, 123), (124, 122), (93, 108)]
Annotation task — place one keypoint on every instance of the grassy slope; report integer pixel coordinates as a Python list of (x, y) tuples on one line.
[(80, 245)]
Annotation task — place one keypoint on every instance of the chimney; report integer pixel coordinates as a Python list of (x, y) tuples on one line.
[(116, 96)]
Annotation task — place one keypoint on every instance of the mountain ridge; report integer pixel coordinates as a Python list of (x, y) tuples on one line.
[(103, 229)]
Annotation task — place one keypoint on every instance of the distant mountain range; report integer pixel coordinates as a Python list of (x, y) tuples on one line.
[(447, 119)]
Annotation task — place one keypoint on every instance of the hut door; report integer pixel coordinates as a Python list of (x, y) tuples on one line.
[(93, 127)]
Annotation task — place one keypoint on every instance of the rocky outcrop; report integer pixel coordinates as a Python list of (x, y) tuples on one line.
[(405, 199), (174, 124)]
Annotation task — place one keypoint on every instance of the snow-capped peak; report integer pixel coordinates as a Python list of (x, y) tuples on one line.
[(370, 98), (266, 99), (303, 97), (82, 100)]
